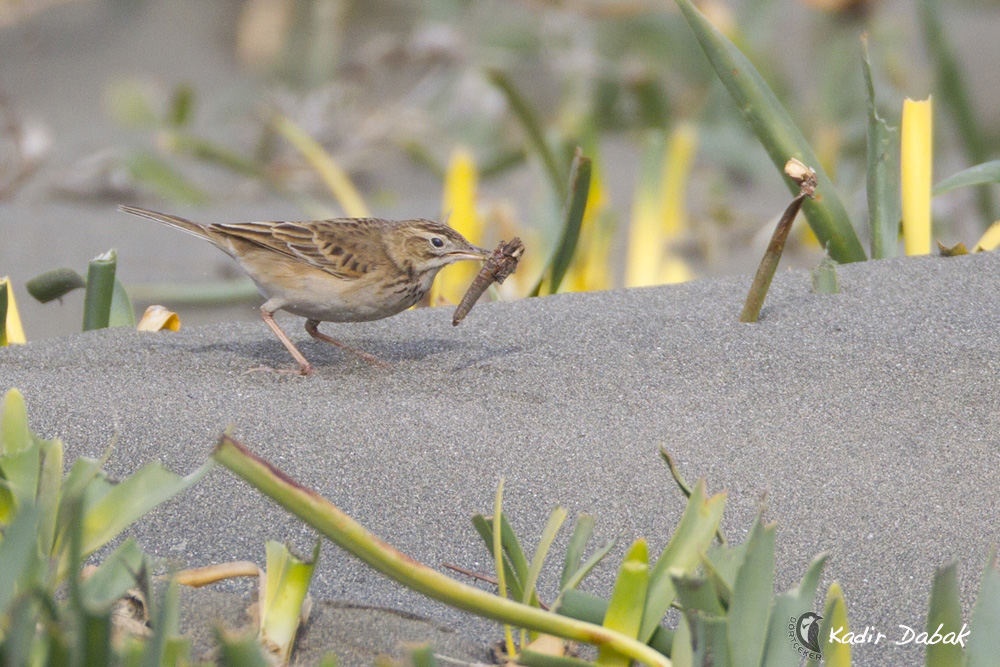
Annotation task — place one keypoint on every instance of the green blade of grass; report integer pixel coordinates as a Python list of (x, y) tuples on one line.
[(331, 522), (955, 96), (628, 599), (835, 653), (164, 180), (555, 522), (335, 177), (982, 174), (983, 645), (944, 616), (694, 533), (883, 172), (484, 527), (127, 501), (750, 605), (582, 530), (18, 552), (54, 284), (582, 571), (239, 649), (533, 128), (181, 105), (213, 153), (573, 211), (99, 291), (122, 313), (778, 651), (777, 134), (498, 559), (592, 609)]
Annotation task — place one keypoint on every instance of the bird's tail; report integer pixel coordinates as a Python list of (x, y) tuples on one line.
[(172, 220)]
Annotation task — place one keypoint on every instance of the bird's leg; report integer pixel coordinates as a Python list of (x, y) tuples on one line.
[(305, 368), (312, 327)]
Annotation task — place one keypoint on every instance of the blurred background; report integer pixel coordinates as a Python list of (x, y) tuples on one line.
[(172, 105)]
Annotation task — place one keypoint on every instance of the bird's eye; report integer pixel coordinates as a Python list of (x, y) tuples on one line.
[(437, 242)]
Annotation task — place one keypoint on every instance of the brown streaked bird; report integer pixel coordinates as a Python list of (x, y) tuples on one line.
[(339, 270)]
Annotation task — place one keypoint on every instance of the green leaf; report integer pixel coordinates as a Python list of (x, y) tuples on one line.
[(955, 96), (100, 290), (696, 593), (128, 103), (750, 608), (239, 650), (883, 172), (573, 212), (682, 651), (115, 575), (334, 524), (164, 180), (49, 493), (20, 456), (592, 609), (709, 640), (982, 174), (777, 133), (54, 284), (484, 527), (694, 533), (555, 522), (628, 598), (164, 627), (129, 500), (835, 653), (181, 105), (983, 645), (582, 530), (944, 617), (288, 578), (721, 564), (95, 638), (18, 551), (14, 433), (588, 565), (122, 313), (423, 656), (824, 277), (778, 651), (533, 128)]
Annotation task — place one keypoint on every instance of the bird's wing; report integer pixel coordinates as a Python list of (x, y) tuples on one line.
[(345, 247)]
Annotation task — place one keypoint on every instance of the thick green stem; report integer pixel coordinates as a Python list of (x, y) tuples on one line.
[(344, 531)]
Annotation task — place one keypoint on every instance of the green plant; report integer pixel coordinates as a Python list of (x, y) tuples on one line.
[(106, 304), (49, 525)]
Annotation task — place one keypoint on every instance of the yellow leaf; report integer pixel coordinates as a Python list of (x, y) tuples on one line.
[(332, 173), (590, 270), (659, 212), (458, 206), (15, 331), (158, 318), (916, 157), (990, 239)]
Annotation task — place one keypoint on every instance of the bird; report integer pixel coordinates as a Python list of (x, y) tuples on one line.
[(807, 630), (335, 270)]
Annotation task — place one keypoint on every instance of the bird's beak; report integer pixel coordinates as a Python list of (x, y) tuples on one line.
[(473, 252)]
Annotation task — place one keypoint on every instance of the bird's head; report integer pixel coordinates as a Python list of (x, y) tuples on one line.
[(432, 245)]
